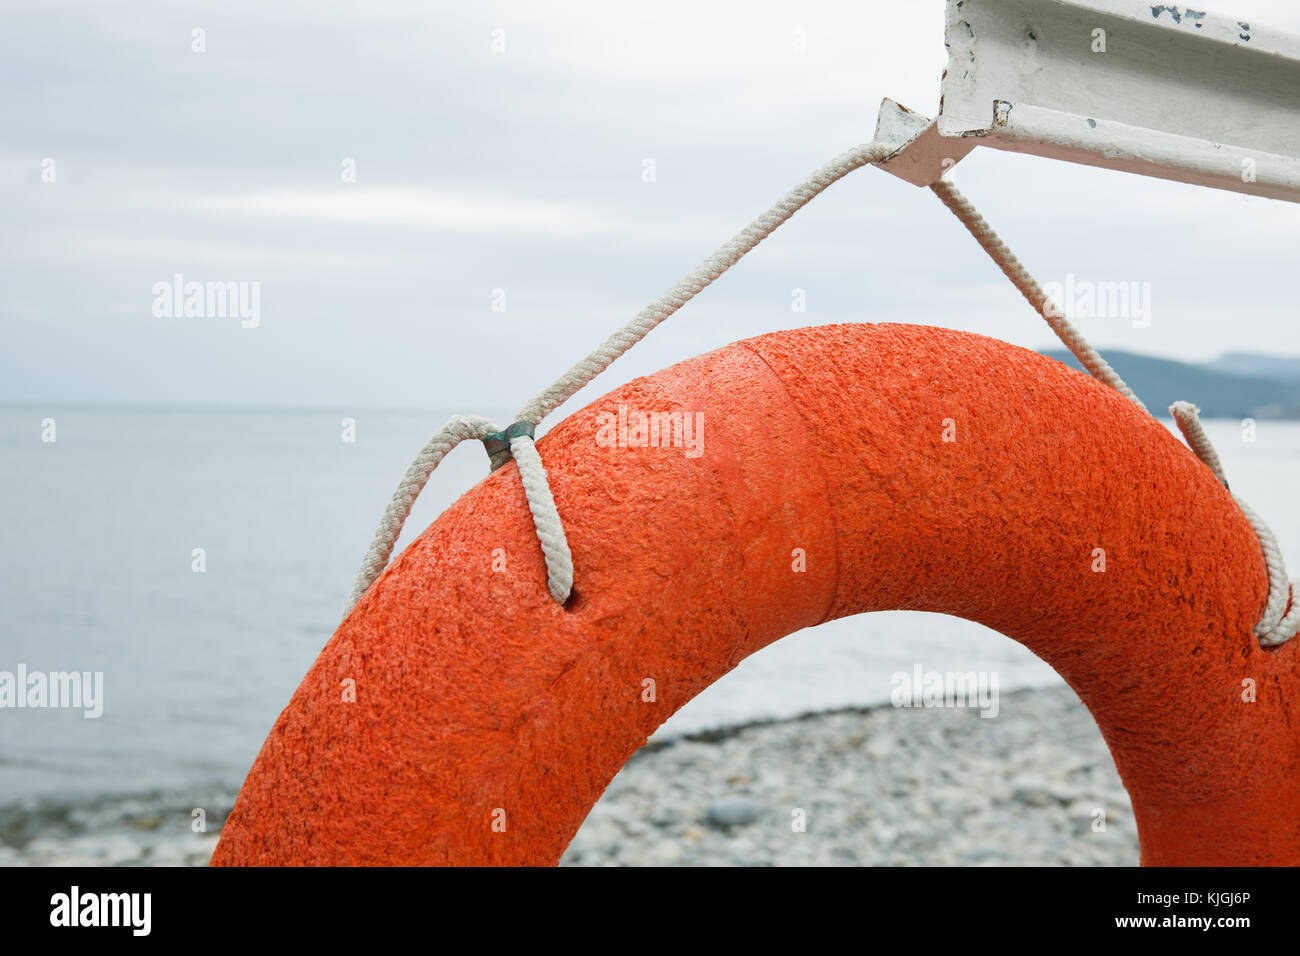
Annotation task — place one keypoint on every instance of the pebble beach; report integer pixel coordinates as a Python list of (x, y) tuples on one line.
[(876, 786)]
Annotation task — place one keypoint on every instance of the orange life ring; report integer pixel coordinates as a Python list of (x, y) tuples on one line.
[(487, 719)]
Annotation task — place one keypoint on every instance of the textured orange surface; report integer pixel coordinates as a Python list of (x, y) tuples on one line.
[(478, 700)]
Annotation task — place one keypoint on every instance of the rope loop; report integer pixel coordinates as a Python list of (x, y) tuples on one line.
[(1281, 618), (460, 428), (1276, 626), (517, 441)]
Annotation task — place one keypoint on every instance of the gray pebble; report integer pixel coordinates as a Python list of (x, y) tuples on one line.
[(872, 787), (732, 812)]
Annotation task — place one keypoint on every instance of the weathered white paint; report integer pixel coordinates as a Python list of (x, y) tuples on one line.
[(923, 155), (1178, 93)]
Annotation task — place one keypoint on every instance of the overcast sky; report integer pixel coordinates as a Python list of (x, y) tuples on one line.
[(522, 170)]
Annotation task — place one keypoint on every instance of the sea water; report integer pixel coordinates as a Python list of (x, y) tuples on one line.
[(199, 560)]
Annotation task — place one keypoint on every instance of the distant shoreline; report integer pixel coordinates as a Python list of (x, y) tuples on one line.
[(1233, 386)]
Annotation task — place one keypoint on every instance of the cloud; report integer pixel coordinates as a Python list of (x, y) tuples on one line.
[(522, 171), (107, 247), (412, 207)]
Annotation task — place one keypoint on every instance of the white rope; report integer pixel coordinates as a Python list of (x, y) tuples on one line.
[(546, 518), (1273, 628), (1188, 417), (460, 428), (1006, 260), (532, 473), (726, 256)]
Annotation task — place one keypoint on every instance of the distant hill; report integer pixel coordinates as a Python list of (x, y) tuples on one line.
[(1253, 365), (1236, 385)]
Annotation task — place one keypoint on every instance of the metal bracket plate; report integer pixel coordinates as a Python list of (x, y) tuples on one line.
[(1155, 89)]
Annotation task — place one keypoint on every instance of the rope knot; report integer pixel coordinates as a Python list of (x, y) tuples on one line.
[(498, 443)]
